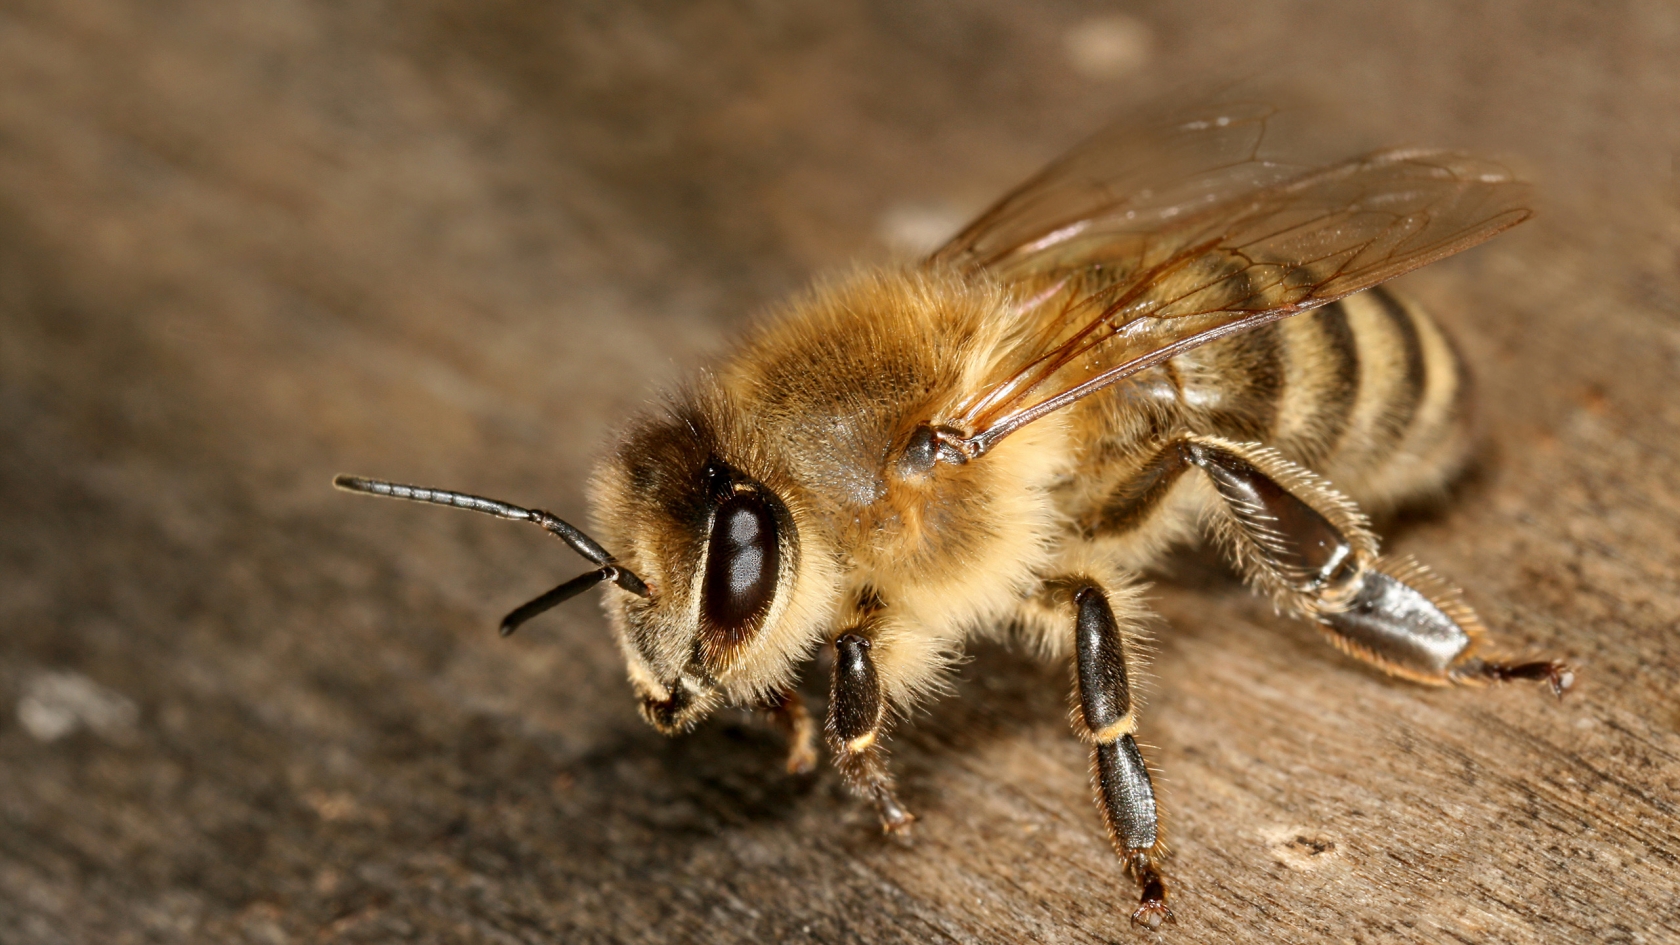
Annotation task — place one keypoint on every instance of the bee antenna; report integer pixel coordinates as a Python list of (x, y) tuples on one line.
[(566, 592), (553, 524)]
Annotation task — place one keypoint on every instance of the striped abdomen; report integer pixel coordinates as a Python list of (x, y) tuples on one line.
[(1367, 391), (1375, 397)]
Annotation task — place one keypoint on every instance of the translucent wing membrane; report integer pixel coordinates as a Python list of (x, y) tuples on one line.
[(1130, 172), (1124, 263)]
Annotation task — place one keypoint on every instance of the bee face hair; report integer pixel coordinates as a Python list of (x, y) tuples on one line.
[(710, 524)]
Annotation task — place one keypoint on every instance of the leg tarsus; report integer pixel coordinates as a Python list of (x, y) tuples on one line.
[(865, 772), (1556, 674), (896, 819), (787, 712), (1152, 911)]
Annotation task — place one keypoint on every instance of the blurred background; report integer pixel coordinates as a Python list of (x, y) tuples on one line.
[(245, 246)]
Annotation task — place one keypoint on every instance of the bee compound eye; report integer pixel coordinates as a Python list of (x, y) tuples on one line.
[(742, 559)]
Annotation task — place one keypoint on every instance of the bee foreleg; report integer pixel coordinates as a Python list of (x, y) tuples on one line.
[(1296, 537), (786, 710), (855, 718), (1124, 792)]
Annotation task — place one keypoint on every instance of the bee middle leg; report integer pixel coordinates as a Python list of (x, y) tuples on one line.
[(856, 716), (1297, 538), (1108, 717)]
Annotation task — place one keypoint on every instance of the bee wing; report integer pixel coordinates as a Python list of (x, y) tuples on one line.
[(1127, 264), (1132, 171)]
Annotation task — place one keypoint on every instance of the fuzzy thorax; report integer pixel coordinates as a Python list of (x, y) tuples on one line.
[(817, 405)]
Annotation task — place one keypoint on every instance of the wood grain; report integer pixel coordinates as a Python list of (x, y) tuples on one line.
[(246, 246)]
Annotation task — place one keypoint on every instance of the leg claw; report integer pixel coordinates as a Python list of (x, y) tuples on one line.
[(1561, 678), (898, 824), (1152, 911), (1151, 914), (802, 760)]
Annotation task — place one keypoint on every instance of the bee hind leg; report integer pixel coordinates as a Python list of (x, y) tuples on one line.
[(856, 717), (1107, 718), (1294, 536)]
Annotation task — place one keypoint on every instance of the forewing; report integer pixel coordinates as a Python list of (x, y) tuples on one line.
[(1120, 280), (1130, 173)]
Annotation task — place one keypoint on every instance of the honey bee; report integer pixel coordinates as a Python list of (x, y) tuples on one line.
[(1160, 337)]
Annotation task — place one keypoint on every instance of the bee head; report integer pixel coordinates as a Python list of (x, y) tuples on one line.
[(711, 530), (713, 594)]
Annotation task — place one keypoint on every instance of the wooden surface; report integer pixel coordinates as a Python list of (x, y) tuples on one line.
[(244, 246)]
